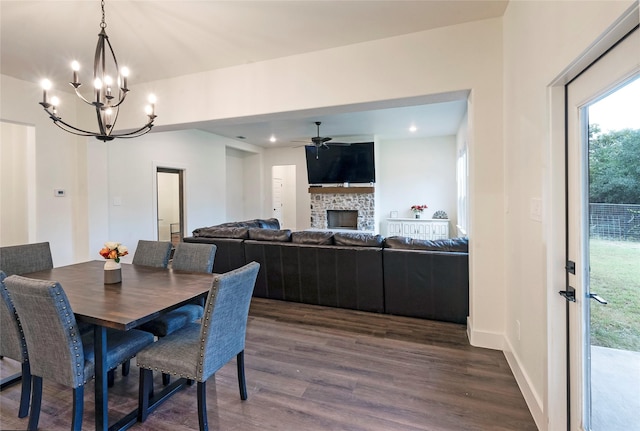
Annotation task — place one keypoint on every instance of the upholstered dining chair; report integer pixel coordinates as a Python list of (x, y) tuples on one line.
[(152, 253), (13, 346), (190, 257), (198, 350), (57, 351), (148, 253), (25, 258)]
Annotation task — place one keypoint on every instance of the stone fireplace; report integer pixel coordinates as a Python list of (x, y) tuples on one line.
[(344, 205)]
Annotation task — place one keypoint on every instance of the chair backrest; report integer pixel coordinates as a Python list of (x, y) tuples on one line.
[(12, 343), (152, 253), (194, 257), (50, 330), (224, 324), (25, 258)]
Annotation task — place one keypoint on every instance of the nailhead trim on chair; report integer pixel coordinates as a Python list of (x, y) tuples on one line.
[(74, 340)]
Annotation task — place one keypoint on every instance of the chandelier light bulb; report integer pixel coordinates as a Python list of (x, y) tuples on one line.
[(152, 99), (46, 85), (148, 110), (55, 101), (75, 66), (124, 71)]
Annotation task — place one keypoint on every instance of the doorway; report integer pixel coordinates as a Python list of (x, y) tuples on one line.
[(283, 195), (170, 197), (603, 256)]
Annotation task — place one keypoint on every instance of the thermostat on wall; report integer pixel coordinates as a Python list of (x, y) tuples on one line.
[(58, 193)]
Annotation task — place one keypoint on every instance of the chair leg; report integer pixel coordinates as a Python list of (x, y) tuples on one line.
[(111, 376), (25, 395), (241, 380), (126, 366), (36, 402), (78, 406), (202, 406), (145, 386), (166, 379)]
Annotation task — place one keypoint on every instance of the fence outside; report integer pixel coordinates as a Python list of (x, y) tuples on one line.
[(620, 222)]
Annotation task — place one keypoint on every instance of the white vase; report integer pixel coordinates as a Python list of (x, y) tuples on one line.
[(111, 264), (112, 272)]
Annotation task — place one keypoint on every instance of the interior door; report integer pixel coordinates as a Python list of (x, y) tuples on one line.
[(617, 68)]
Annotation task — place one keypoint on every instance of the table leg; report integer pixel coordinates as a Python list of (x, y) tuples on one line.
[(100, 348)]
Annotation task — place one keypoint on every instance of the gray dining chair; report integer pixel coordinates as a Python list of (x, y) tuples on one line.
[(13, 346), (148, 253), (152, 253), (22, 259), (57, 350), (198, 350), (25, 258), (189, 257)]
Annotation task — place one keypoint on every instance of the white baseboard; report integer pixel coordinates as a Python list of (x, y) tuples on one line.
[(484, 339), (531, 397), (497, 341)]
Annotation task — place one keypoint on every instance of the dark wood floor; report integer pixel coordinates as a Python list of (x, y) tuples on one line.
[(315, 368)]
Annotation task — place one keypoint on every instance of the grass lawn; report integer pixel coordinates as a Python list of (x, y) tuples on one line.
[(615, 276)]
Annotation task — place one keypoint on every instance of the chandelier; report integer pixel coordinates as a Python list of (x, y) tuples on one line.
[(106, 98)]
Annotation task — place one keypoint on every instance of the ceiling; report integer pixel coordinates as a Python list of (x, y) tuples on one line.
[(155, 39)]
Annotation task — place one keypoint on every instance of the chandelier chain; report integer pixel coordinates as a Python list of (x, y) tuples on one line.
[(103, 23)]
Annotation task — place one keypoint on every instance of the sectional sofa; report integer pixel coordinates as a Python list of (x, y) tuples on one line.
[(360, 271)]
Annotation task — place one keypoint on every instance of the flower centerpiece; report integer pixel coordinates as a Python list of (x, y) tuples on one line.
[(417, 209), (113, 251)]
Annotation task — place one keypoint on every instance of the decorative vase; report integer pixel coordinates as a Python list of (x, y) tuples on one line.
[(112, 272)]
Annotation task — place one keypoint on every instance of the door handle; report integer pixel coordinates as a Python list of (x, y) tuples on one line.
[(569, 294), (598, 298)]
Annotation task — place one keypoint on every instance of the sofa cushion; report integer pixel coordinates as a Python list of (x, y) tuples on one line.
[(357, 239), (280, 235), (312, 237), (403, 242), (270, 223), (451, 244), (222, 232)]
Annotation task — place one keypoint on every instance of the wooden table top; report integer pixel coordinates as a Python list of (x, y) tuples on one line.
[(145, 292)]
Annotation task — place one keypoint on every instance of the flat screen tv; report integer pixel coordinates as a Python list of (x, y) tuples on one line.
[(350, 163)]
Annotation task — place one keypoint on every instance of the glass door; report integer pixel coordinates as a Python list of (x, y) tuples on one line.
[(603, 160)]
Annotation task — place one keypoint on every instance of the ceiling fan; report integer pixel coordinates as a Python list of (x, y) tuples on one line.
[(323, 141)]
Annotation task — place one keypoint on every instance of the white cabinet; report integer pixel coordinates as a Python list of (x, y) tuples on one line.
[(418, 228)]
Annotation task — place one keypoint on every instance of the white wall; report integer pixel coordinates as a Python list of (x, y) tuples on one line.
[(234, 185), (417, 171), (129, 196), (535, 55), (17, 183)]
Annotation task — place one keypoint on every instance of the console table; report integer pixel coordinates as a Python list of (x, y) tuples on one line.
[(418, 228)]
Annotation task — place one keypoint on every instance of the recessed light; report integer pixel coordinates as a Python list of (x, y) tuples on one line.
[(413, 129), (272, 138)]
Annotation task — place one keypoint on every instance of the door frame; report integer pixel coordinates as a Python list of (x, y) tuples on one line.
[(558, 403), (170, 167)]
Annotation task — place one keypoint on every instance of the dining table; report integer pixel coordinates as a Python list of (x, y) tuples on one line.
[(144, 293)]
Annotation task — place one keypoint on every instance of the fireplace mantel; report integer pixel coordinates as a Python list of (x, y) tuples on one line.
[(334, 190)]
